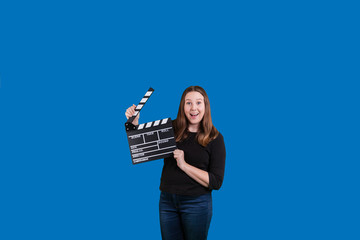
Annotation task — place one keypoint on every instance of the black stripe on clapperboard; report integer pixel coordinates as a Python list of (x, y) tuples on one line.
[(151, 141)]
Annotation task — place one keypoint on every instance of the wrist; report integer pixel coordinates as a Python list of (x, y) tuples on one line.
[(183, 166)]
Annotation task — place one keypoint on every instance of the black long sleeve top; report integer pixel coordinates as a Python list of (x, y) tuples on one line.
[(210, 158)]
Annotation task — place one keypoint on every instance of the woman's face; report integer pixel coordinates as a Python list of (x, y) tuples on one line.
[(194, 107)]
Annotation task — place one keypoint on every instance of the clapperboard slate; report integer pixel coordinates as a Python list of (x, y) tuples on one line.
[(152, 140)]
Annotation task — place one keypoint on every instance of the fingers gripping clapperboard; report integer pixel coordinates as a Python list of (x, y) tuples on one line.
[(152, 140)]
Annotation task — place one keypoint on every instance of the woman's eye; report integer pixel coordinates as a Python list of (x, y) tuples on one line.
[(198, 103), (188, 103)]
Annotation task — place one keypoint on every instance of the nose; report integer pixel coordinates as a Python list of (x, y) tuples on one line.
[(193, 107)]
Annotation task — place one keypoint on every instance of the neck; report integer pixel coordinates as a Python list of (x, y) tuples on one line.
[(193, 127)]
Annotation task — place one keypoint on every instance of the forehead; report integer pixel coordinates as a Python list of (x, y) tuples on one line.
[(194, 96)]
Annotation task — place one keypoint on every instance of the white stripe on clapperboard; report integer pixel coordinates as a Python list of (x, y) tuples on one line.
[(151, 131), (156, 123), (153, 155), (135, 154), (141, 148), (143, 101), (132, 149), (151, 141)]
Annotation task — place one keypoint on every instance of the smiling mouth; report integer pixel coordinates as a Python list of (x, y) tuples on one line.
[(194, 115)]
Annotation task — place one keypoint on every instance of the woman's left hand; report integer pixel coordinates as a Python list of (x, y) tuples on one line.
[(179, 156)]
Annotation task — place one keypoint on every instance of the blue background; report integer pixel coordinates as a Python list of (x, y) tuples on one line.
[(283, 82)]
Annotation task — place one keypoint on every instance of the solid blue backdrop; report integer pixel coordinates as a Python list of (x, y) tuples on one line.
[(283, 85)]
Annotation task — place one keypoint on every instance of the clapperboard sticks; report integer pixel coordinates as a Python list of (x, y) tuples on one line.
[(152, 140)]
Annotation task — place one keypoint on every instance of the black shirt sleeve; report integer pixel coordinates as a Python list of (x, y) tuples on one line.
[(217, 162)]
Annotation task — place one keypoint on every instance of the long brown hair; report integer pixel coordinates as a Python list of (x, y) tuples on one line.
[(207, 132)]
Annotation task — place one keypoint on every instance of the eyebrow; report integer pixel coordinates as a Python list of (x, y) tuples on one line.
[(196, 99)]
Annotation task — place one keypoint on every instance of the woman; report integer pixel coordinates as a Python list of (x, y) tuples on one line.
[(196, 168)]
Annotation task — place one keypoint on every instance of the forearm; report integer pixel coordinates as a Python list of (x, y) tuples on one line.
[(197, 174)]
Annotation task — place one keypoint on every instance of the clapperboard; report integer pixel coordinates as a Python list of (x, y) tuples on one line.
[(152, 140)]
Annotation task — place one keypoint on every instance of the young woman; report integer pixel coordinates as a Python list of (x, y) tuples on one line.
[(196, 168)]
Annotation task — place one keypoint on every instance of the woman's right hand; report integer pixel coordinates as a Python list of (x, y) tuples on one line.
[(130, 112)]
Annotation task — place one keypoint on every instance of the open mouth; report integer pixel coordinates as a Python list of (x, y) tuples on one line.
[(194, 115)]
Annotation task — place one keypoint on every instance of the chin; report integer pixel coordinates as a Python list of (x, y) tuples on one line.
[(194, 122)]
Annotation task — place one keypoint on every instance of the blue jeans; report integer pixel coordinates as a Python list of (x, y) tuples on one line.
[(185, 217)]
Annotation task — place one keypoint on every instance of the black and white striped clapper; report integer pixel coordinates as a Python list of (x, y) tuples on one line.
[(152, 140)]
